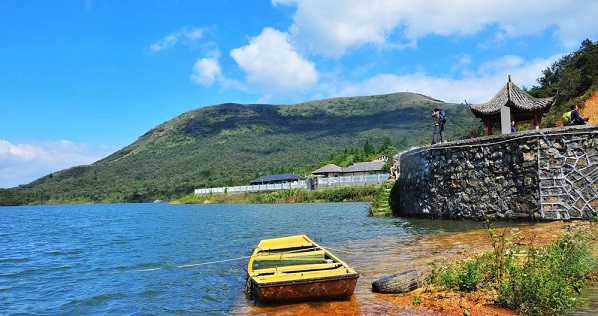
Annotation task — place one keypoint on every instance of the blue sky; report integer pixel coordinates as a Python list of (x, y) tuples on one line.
[(80, 79)]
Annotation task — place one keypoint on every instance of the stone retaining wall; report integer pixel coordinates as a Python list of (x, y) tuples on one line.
[(550, 174)]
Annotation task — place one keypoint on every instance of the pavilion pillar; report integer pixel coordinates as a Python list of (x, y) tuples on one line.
[(505, 119), (505, 111)]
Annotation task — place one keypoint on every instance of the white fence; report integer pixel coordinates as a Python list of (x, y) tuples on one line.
[(253, 188), (352, 181), (311, 183)]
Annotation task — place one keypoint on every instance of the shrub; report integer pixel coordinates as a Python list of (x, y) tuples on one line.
[(548, 280), (463, 276), (531, 280)]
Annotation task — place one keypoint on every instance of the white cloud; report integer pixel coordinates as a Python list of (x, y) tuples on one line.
[(206, 71), (332, 27), (23, 163), (478, 88), (277, 62), (273, 66), (582, 18), (186, 36)]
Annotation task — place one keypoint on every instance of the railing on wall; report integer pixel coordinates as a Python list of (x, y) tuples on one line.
[(312, 183)]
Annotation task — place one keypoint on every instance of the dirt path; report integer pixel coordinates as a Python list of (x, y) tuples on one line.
[(590, 109)]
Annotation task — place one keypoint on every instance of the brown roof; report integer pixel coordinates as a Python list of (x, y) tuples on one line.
[(356, 167), (521, 103), (365, 166), (329, 168)]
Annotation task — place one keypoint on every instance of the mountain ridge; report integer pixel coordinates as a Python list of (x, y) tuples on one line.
[(232, 143)]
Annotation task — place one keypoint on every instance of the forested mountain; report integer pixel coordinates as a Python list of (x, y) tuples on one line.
[(231, 144)]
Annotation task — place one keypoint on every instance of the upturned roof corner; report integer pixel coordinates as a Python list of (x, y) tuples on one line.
[(521, 105), (514, 97)]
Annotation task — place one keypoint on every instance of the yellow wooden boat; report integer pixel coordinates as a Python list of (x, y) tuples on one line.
[(296, 268)]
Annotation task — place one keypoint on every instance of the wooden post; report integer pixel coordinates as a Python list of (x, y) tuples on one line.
[(488, 123)]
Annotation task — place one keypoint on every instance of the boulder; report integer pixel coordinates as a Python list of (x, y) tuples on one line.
[(402, 282)]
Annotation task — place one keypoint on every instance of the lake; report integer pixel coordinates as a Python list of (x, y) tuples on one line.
[(158, 259)]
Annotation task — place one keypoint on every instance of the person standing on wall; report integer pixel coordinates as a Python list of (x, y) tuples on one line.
[(439, 116)]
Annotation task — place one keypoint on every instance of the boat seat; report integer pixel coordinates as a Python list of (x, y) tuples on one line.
[(290, 255), (288, 259), (298, 268)]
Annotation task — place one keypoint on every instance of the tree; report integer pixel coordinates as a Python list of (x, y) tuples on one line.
[(386, 143), (368, 149), (572, 75)]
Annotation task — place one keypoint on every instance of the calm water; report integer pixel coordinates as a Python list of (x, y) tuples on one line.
[(129, 259)]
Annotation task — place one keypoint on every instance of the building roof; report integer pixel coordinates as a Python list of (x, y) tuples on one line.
[(286, 177), (365, 166), (329, 168), (522, 104)]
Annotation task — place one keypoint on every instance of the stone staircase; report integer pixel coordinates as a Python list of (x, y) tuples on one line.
[(381, 207)]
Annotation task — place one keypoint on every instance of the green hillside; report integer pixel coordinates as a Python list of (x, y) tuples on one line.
[(229, 144)]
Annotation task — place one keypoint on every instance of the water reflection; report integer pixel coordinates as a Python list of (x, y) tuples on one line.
[(588, 301)]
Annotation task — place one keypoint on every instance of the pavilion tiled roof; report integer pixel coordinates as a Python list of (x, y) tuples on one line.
[(515, 98)]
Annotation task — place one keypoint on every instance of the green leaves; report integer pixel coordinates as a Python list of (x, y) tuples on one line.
[(574, 76), (538, 281)]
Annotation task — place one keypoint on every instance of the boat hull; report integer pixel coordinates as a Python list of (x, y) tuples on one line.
[(310, 289), (295, 268)]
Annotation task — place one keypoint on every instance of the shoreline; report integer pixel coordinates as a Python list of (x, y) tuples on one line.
[(442, 248)]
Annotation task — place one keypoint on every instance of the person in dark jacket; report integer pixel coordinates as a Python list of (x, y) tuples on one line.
[(576, 118), (439, 121)]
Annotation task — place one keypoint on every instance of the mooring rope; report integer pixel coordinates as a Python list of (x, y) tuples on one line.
[(219, 261), (235, 259), (195, 264), (340, 250), (212, 262)]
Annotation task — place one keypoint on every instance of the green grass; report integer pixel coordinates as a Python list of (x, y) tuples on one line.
[(531, 280), (343, 194)]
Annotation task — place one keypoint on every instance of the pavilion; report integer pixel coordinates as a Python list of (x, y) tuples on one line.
[(511, 103)]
